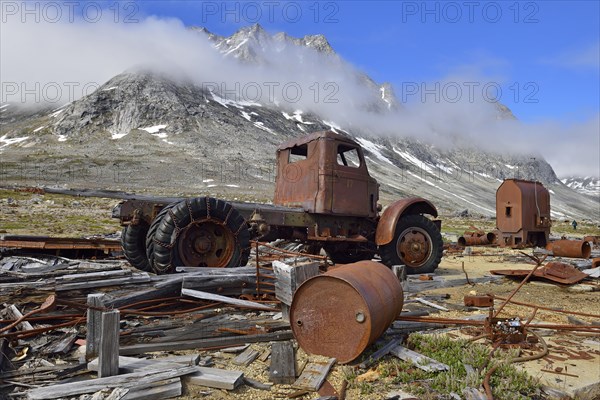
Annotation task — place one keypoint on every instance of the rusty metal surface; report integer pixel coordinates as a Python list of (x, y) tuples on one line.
[(310, 176), (340, 313), (596, 262), (523, 212), (57, 243), (477, 240), (387, 223), (479, 301), (570, 248), (553, 271)]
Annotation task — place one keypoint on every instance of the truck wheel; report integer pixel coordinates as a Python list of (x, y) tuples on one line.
[(417, 244), (349, 254), (152, 231), (133, 241), (201, 232)]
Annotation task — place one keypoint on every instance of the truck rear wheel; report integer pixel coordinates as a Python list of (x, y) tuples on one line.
[(133, 241), (201, 232), (152, 231), (417, 243)]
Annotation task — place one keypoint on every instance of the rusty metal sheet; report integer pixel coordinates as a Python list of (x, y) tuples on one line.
[(553, 271), (340, 313), (479, 301), (570, 248), (58, 243)]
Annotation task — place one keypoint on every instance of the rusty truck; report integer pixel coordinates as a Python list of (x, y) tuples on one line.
[(324, 198)]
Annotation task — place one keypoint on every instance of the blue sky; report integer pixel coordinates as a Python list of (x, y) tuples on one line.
[(543, 54)]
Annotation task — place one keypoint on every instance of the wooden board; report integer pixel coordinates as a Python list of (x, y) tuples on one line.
[(313, 375), (419, 360), (283, 363), (246, 357), (288, 278), (204, 343), (224, 299), (94, 385), (204, 376)]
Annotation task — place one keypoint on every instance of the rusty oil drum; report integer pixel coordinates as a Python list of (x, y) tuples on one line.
[(340, 313)]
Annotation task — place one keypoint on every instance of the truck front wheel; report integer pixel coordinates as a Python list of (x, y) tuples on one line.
[(417, 243), (201, 232)]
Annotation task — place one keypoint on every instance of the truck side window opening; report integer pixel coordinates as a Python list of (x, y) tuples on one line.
[(298, 153), (348, 156)]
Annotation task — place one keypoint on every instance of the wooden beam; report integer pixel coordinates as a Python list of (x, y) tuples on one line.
[(94, 385), (382, 352), (283, 363), (205, 343), (204, 376), (108, 354), (288, 278), (419, 360), (93, 324), (224, 299)]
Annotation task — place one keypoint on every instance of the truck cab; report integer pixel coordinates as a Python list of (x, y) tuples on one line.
[(325, 173)]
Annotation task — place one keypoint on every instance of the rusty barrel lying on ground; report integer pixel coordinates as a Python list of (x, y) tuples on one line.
[(474, 240), (570, 248), (340, 313)]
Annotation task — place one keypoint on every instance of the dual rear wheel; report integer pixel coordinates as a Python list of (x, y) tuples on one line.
[(198, 232)]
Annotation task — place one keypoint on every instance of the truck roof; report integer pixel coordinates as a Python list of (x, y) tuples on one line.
[(331, 135)]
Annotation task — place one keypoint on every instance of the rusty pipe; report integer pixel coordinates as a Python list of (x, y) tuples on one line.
[(570, 248), (474, 240)]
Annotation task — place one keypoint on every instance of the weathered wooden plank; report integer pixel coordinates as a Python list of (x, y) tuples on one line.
[(94, 318), (382, 352), (14, 313), (224, 299), (61, 346), (313, 375), (216, 378), (108, 352), (156, 391), (94, 385), (430, 304), (90, 276), (204, 343), (246, 357), (132, 364), (188, 359), (283, 363), (134, 278), (420, 361)]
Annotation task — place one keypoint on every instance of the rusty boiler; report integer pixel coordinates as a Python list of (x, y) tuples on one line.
[(340, 313), (522, 213)]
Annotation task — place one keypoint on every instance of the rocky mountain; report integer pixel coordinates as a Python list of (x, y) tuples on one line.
[(588, 185), (147, 132)]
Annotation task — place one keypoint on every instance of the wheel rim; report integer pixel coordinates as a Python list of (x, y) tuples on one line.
[(414, 247), (206, 243)]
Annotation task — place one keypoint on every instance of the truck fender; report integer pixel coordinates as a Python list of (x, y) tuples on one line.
[(387, 222)]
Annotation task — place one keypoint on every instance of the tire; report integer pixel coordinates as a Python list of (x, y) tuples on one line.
[(347, 254), (417, 243), (133, 241), (152, 231), (201, 232)]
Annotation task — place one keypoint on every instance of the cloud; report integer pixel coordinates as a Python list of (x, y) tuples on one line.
[(583, 57), (455, 111)]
